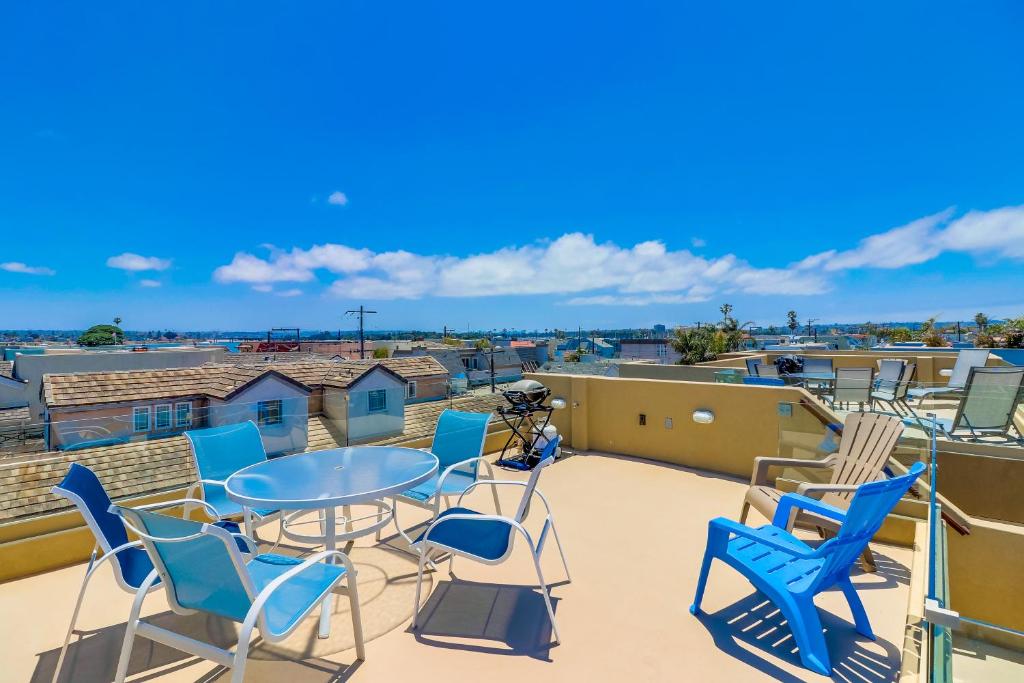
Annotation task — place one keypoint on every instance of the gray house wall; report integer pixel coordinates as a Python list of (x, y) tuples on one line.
[(290, 436)]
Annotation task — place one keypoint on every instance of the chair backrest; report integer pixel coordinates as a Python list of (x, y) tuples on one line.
[(990, 399), (853, 385), (890, 370), (765, 381), (965, 361), (83, 488), (459, 436), (547, 456), (200, 564), (752, 364), (905, 379), (767, 370), (812, 364), (868, 441), (219, 452), (868, 510)]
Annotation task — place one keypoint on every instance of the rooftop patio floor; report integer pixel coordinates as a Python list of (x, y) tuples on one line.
[(634, 535)]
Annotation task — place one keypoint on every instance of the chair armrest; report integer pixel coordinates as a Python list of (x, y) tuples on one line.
[(497, 482), (763, 463), (724, 524), (816, 491), (451, 468), (792, 502), (257, 606), (212, 511)]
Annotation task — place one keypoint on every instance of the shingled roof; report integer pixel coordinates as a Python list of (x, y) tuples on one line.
[(157, 465), (7, 368)]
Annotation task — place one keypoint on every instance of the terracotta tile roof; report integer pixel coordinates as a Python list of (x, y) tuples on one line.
[(411, 367), (158, 465)]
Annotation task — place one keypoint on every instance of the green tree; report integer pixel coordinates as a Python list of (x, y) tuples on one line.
[(930, 334), (101, 335), (725, 310), (981, 320), (451, 341), (699, 344), (900, 334), (380, 352), (171, 336), (482, 344), (793, 322), (1014, 333)]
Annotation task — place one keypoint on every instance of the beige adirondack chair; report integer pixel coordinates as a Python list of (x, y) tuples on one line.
[(864, 449)]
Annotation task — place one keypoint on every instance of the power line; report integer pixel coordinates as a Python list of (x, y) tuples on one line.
[(363, 312)]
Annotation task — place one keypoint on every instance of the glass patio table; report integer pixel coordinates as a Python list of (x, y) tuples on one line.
[(324, 480), (814, 382)]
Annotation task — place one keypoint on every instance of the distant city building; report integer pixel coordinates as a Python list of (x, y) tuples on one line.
[(659, 331)]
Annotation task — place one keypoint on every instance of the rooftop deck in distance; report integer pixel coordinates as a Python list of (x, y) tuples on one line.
[(634, 533)]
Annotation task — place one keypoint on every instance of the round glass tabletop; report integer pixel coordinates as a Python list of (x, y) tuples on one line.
[(342, 476)]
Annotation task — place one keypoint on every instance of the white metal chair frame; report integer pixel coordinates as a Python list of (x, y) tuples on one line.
[(536, 549), (94, 563), (255, 617)]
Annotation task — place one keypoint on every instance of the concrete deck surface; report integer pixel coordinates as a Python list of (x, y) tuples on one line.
[(634, 535)]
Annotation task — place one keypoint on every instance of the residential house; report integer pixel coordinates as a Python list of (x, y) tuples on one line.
[(657, 350)]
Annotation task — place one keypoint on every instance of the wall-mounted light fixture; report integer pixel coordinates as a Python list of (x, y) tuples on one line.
[(558, 403), (703, 417)]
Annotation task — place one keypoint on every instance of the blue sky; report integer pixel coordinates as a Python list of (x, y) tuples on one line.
[(246, 165)]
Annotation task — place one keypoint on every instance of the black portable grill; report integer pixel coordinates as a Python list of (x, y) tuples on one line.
[(527, 416)]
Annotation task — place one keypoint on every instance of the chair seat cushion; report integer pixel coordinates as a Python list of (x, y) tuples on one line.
[(455, 484), (485, 538), (775, 566), (216, 496), (293, 599)]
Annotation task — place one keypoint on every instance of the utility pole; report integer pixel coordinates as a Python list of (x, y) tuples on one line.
[(958, 330), (362, 336), (811, 321)]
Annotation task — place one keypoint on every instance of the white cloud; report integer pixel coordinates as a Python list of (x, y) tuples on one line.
[(290, 292), (136, 263), (697, 242), (263, 288), (337, 198), (592, 273), (150, 283), (19, 267)]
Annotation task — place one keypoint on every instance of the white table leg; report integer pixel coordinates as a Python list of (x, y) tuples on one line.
[(247, 521), (327, 606)]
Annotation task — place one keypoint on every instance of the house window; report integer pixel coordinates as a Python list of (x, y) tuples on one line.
[(378, 400), (269, 412), (183, 414), (162, 417), (140, 419), (410, 389)]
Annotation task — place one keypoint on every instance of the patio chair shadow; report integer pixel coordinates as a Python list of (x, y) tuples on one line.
[(93, 656), (757, 623), (512, 615)]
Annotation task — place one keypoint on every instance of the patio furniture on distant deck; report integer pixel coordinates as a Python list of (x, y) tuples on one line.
[(966, 359), (852, 385), (488, 539), (890, 370), (791, 573), (765, 381), (83, 488), (324, 480), (895, 394), (752, 364), (271, 592), (219, 452), (816, 365), (767, 370), (867, 442), (989, 403), (459, 446)]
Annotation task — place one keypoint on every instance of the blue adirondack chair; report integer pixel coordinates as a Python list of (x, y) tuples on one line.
[(203, 570), (130, 563), (791, 573), (219, 452), (459, 446), (488, 539)]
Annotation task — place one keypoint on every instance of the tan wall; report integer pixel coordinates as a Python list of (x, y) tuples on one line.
[(985, 570), (986, 482), (679, 373)]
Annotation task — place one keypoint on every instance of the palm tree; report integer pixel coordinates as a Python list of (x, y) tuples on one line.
[(981, 320), (117, 324), (793, 322), (725, 309)]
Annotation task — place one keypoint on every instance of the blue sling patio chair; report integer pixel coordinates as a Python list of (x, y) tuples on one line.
[(459, 446), (219, 452), (988, 405), (129, 561), (752, 364), (203, 570), (488, 539), (791, 573)]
